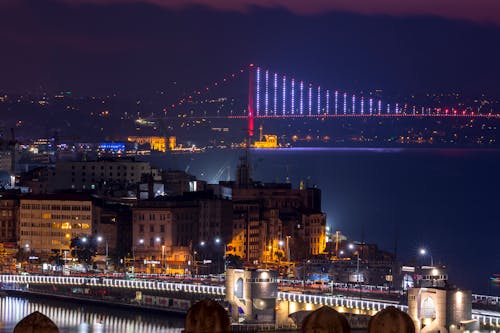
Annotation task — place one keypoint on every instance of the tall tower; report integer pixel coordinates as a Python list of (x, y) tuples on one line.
[(251, 99), (243, 171)]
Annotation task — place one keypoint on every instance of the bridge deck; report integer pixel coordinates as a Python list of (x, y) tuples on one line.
[(491, 318)]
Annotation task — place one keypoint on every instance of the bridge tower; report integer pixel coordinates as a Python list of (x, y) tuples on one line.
[(252, 295), (436, 306), (251, 99)]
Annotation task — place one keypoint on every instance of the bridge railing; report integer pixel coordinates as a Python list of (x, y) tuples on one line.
[(490, 318), (115, 283), (476, 298), (487, 319), (360, 304)]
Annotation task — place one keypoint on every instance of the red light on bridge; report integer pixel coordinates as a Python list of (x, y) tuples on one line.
[(251, 65)]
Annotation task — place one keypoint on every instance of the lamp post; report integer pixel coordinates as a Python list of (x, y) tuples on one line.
[(352, 248), (141, 242), (163, 258), (424, 252), (280, 246), (100, 239), (157, 243), (218, 241)]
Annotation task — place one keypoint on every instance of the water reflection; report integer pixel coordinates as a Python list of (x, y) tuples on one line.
[(71, 317)]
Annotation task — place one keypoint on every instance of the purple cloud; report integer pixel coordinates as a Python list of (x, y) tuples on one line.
[(482, 11)]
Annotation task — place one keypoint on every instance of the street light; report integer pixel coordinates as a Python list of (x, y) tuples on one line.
[(424, 252), (217, 241), (352, 247), (141, 242), (100, 239)]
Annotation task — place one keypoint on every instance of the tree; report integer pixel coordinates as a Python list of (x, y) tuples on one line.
[(84, 248), (233, 261), (56, 258)]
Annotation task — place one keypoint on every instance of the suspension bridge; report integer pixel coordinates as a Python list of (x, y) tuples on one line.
[(273, 95)]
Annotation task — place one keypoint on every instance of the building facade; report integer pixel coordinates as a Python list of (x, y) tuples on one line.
[(185, 229), (47, 223), (9, 218), (93, 175)]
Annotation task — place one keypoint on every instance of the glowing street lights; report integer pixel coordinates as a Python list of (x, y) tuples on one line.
[(352, 247), (99, 240), (425, 252), (358, 280)]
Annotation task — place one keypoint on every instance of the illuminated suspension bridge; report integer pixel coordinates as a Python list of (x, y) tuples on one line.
[(276, 95)]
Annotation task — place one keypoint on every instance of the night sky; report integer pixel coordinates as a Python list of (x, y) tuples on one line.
[(137, 47)]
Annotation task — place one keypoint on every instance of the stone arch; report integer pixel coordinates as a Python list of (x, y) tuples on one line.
[(325, 320), (238, 288), (36, 322), (391, 320), (207, 316), (428, 308)]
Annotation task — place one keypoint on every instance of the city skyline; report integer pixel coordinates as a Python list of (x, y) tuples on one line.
[(277, 157)]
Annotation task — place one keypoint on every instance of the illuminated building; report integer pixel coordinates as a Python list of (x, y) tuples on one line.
[(172, 142), (164, 225), (47, 223), (111, 147), (256, 232), (265, 214), (313, 231), (157, 143), (266, 141)]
